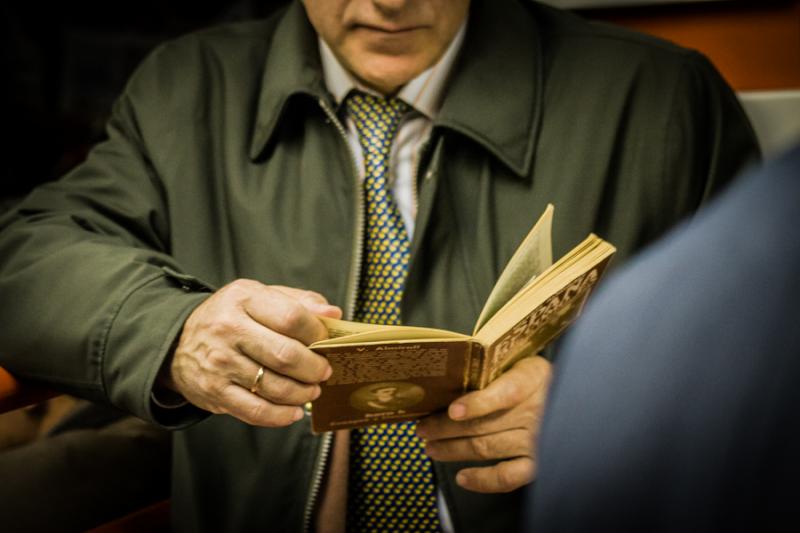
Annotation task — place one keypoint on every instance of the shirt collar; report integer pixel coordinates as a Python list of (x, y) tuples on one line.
[(424, 93)]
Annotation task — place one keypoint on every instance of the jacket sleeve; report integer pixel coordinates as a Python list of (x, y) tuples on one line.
[(92, 302)]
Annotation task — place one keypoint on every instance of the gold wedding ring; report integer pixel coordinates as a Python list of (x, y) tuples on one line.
[(257, 381)]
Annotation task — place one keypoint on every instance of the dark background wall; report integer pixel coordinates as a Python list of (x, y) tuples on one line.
[(63, 65)]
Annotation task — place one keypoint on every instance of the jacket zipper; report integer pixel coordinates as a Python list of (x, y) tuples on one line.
[(358, 242), (349, 310)]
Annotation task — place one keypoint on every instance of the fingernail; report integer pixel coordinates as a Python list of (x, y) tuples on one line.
[(457, 411), (317, 392), (461, 479), (298, 414), (327, 374)]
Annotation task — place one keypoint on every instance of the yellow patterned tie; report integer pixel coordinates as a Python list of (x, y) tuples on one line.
[(391, 485)]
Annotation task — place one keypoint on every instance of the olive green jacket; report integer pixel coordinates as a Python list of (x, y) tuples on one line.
[(225, 159)]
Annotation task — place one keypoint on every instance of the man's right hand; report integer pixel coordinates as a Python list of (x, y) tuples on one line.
[(243, 326)]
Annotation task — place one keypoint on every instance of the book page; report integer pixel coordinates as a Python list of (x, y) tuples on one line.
[(543, 324), (343, 332), (566, 262), (340, 328), (578, 261), (533, 256)]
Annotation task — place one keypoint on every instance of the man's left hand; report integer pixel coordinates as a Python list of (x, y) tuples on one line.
[(498, 422)]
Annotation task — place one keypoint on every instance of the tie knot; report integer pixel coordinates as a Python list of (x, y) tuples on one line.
[(372, 113)]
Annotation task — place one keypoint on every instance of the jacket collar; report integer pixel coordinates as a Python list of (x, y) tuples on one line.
[(292, 67), (493, 96)]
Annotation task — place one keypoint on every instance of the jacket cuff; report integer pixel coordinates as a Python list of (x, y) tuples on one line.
[(140, 336), (175, 401)]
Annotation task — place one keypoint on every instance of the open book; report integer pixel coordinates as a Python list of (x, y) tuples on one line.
[(396, 373)]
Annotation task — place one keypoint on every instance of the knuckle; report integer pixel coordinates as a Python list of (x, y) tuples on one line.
[(240, 286), (202, 382), (286, 418), (513, 475), (531, 418), (481, 447), (238, 292), (216, 409), (270, 416), (323, 371), (209, 387), (217, 359), (280, 389), (303, 394), (223, 326), (310, 393), (513, 394), (257, 413), (292, 318), (313, 296), (504, 479), (231, 292), (285, 355), (521, 444), (216, 387), (473, 426)]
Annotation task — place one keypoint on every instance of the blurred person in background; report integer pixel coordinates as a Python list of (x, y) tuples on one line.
[(674, 402)]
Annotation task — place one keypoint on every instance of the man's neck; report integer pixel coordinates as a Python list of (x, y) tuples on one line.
[(424, 92)]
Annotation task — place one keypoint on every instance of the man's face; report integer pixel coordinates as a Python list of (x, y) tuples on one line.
[(386, 43)]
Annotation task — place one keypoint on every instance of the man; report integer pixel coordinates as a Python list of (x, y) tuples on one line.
[(235, 160), (674, 406)]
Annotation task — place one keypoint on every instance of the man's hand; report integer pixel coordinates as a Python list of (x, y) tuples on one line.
[(240, 328), (499, 422)]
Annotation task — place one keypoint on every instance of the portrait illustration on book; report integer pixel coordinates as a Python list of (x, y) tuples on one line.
[(386, 396)]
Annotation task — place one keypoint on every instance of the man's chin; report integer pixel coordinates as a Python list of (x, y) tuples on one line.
[(388, 73)]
